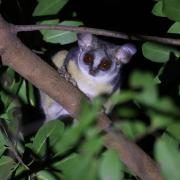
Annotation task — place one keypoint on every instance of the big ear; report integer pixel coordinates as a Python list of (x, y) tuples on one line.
[(86, 40), (124, 53)]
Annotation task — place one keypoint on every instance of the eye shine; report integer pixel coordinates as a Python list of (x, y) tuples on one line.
[(88, 58), (105, 64)]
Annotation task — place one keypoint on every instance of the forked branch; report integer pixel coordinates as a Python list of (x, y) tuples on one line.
[(102, 32), (17, 56)]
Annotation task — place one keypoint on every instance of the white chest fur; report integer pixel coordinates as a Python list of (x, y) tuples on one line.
[(88, 84)]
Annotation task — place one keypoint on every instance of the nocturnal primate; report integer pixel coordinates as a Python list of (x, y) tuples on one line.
[(94, 65)]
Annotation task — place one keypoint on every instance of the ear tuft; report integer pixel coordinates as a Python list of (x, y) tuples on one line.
[(85, 40), (125, 53)]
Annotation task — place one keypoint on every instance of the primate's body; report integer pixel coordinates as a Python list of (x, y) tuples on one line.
[(95, 68)]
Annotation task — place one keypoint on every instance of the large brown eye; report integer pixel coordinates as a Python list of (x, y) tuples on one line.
[(88, 58), (105, 64)]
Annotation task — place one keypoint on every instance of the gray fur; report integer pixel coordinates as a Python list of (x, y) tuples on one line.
[(100, 81)]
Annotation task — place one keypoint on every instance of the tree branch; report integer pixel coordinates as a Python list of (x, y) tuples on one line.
[(102, 32), (30, 66)]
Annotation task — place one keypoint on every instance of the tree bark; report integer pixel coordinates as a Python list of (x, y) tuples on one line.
[(17, 56)]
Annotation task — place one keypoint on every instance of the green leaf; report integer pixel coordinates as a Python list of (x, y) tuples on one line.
[(69, 138), (48, 135), (7, 166), (3, 143), (160, 72), (7, 77), (122, 97), (111, 167), (167, 155), (12, 119), (49, 7), (3, 139), (159, 120), (11, 84), (77, 167), (62, 37), (48, 22), (140, 79), (169, 73), (126, 112), (132, 129), (31, 95), (13, 126), (147, 90), (15, 117), (157, 52), (166, 106), (89, 172), (46, 175), (174, 130), (2, 149), (171, 9), (23, 92), (85, 119), (92, 132), (175, 28), (20, 170), (88, 112), (85, 169), (26, 93), (163, 113), (157, 9), (72, 135), (67, 166), (92, 146)]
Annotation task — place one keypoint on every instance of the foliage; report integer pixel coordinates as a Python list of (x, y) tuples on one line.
[(47, 7), (62, 37), (157, 52), (57, 151), (169, 164)]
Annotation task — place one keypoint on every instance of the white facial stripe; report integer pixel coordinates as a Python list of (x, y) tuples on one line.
[(98, 57)]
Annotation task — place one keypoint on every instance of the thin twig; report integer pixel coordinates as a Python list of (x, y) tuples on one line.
[(12, 148), (27, 64), (102, 32)]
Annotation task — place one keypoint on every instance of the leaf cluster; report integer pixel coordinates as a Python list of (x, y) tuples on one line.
[(56, 151)]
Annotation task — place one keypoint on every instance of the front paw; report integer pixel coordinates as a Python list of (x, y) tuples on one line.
[(63, 73)]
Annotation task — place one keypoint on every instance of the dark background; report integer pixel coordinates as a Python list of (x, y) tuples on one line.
[(129, 16), (122, 15)]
